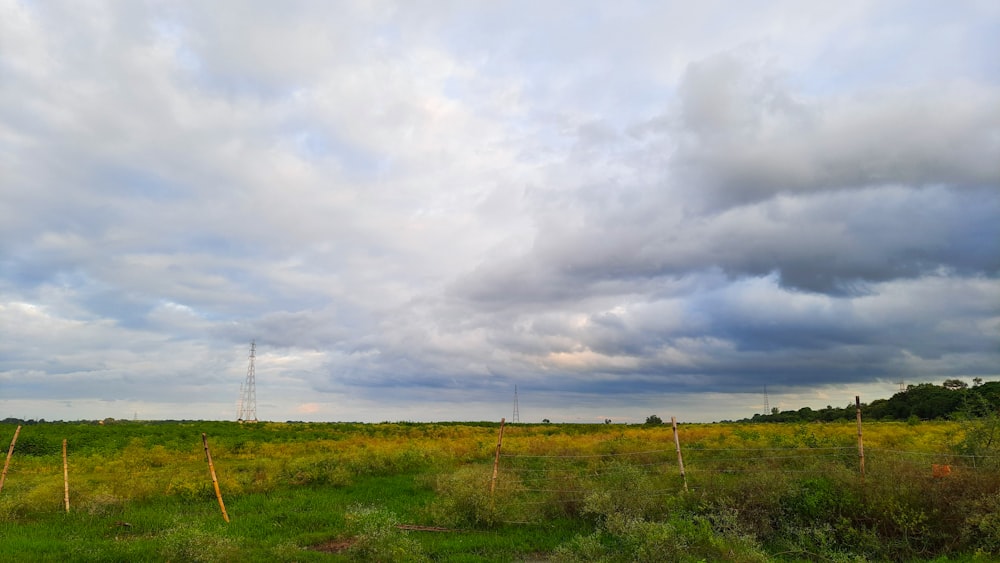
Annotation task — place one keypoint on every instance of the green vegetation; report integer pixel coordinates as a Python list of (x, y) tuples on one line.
[(953, 398), (140, 491)]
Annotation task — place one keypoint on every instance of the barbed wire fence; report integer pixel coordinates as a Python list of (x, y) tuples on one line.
[(530, 480), (546, 484)]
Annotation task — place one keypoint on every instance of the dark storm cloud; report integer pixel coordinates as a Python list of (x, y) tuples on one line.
[(829, 196)]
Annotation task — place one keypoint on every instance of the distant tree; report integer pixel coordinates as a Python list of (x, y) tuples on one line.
[(923, 401), (607, 421), (990, 391), (926, 400), (653, 419), (954, 384), (877, 410), (546, 421), (980, 420)]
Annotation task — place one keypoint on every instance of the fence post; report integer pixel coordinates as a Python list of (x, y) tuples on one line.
[(496, 459), (65, 477), (861, 443), (10, 452), (680, 458), (215, 480)]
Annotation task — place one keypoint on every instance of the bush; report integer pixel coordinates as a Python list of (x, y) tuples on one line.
[(323, 471), (186, 542), (627, 504), (378, 538), (681, 538), (982, 527), (464, 498), (624, 490), (37, 446)]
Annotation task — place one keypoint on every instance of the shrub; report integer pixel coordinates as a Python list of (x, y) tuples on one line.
[(378, 538), (464, 498), (681, 538), (982, 526), (323, 471), (37, 446), (186, 542), (190, 489), (627, 503), (625, 490)]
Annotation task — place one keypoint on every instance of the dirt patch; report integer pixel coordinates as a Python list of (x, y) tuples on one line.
[(334, 546)]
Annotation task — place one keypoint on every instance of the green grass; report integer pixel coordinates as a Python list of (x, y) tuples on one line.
[(141, 492), (281, 525)]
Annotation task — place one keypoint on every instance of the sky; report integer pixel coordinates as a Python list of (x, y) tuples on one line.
[(621, 208)]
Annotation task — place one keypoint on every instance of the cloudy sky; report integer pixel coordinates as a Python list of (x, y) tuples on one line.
[(622, 208)]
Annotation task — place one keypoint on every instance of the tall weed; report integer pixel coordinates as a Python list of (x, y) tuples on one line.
[(464, 499), (376, 536)]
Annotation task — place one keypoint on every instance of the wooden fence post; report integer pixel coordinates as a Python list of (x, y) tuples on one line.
[(215, 480), (680, 459), (861, 444), (496, 459), (65, 477), (10, 452)]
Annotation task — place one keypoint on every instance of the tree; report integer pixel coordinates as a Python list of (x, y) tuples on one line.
[(954, 384), (981, 422), (926, 400), (653, 419)]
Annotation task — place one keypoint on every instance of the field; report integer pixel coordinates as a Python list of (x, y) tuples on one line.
[(141, 491)]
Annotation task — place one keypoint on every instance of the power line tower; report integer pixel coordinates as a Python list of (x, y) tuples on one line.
[(517, 415), (767, 407), (902, 385), (248, 393)]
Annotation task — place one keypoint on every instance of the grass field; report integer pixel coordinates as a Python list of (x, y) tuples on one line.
[(141, 491)]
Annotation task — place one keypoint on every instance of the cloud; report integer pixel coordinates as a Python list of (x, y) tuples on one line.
[(413, 207), (750, 139)]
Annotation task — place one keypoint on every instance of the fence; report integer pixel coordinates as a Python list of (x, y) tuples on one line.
[(563, 481), (120, 479), (558, 470)]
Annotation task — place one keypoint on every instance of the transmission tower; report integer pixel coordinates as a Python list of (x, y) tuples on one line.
[(248, 394), (767, 407), (517, 416)]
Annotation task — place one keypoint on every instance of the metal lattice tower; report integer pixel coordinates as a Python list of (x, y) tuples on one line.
[(248, 394), (517, 415), (767, 407)]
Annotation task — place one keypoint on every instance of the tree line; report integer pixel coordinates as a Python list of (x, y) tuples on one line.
[(926, 401)]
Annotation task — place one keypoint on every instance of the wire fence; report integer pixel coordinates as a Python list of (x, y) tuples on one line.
[(525, 474), (567, 480)]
